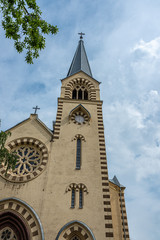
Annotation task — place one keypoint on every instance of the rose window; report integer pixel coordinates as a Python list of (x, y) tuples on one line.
[(7, 234), (32, 160), (29, 159)]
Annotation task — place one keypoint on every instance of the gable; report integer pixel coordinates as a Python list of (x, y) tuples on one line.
[(32, 127)]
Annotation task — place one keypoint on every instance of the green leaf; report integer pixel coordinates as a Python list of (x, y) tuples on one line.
[(7, 158), (22, 22)]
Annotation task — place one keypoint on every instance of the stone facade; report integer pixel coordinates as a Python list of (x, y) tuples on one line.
[(60, 188)]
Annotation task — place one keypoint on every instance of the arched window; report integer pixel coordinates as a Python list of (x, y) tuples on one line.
[(78, 189), (80, 198), (74, 94), (7, 234), (73, 198), (75, 230), (85, 94), (12, 227), (78, 154), (80, 94)]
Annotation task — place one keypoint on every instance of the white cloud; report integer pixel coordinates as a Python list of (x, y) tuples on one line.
[(130, 89), (134, 134), (151, 48)]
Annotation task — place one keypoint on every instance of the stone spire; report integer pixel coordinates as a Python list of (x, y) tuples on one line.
[(80, 61)]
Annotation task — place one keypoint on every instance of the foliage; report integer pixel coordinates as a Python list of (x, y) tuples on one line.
[(8, 158), (22, 22)]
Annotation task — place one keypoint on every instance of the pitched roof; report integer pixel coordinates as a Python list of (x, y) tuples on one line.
[(116, 182), (80, 61), (35, 117)]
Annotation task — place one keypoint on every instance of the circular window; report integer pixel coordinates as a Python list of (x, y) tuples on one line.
[(29, 158), (7, 234), (32, 159)]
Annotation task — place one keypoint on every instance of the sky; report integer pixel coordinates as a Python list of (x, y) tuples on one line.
[(122, 41)]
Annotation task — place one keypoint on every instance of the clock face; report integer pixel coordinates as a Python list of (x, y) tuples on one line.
[(79, 119)]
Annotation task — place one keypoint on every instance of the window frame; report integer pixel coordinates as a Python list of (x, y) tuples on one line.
[(78, 153)]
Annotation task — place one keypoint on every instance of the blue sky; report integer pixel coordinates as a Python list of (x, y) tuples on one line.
[(123, 46)]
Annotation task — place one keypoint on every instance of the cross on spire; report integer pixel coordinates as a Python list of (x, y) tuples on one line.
[(81, 35), (36, 108)]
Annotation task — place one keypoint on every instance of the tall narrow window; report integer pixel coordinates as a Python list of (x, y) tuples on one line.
[(78, 156), (80, 94), (74, 94), (80, 198), (85, 94), (73, 198)]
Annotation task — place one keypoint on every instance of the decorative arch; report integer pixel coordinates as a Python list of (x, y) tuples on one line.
[(71, 186), (12, 226), (33, 157), (19, 220), (82, 111), (79, 136), (76, 187), (85, 85), (75, 229), (81, 189)]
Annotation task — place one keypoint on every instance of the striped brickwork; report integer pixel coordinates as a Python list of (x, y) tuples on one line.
[(104, 174), (77, 187), (123, 216), (80, 136), (28, 142), (58, 120), (78, 82), (25, 213), (77, 230)]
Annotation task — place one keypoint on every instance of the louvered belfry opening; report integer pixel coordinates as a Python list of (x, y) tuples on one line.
[(80, 94), (74, 94), (85, 94)]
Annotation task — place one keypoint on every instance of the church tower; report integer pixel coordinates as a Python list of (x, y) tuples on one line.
[(60, 189)]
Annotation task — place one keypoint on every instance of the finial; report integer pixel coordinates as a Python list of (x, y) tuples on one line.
[(81, 35), (36, 108)]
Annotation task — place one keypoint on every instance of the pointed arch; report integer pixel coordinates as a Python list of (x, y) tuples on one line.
[(75, 228), (12, 224), (17, 216), (82, 111)]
